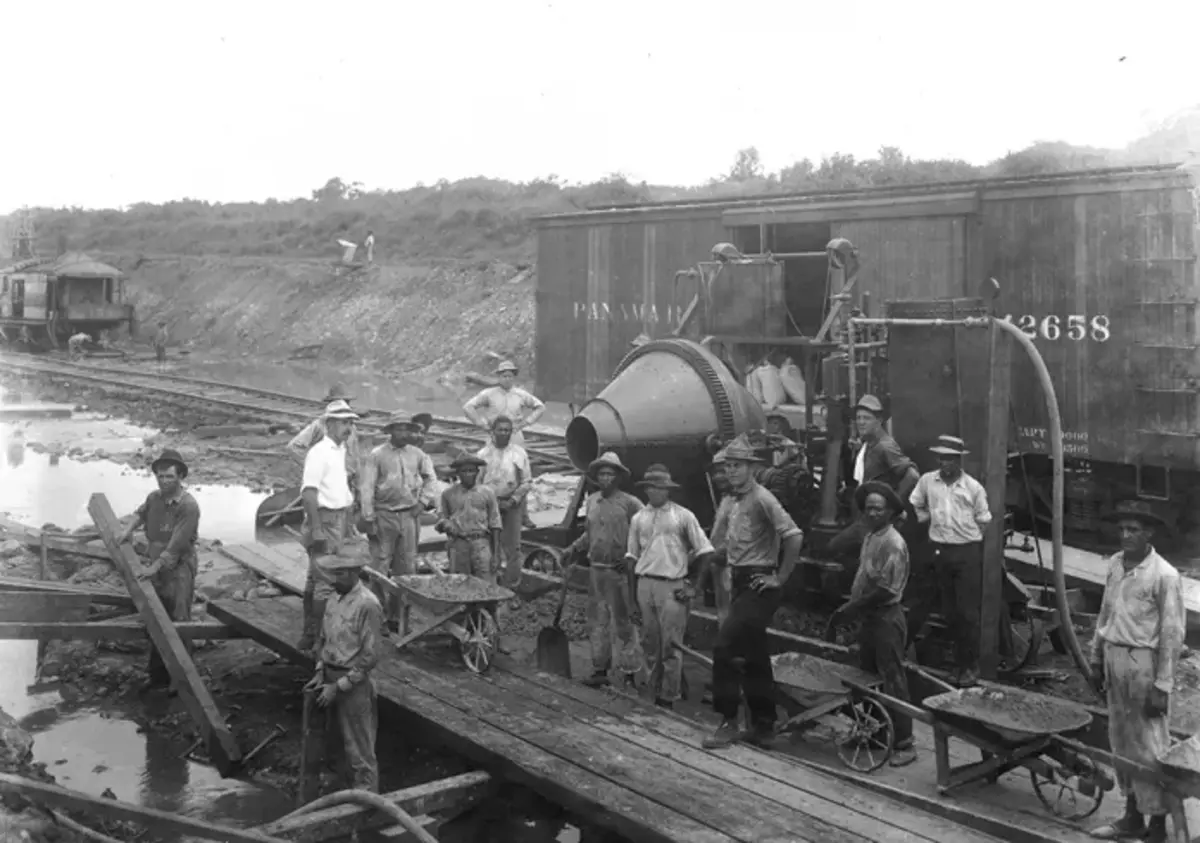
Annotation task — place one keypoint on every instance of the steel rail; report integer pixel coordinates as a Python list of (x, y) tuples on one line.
[(280, 404)]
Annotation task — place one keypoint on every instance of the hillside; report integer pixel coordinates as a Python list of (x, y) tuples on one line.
[(454, 275)]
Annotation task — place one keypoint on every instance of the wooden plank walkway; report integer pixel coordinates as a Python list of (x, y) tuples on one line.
[(624, 765)]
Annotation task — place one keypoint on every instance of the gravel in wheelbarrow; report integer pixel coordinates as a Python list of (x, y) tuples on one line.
[(1012, 711), (453, 588), (796, 671), (1183, 760)]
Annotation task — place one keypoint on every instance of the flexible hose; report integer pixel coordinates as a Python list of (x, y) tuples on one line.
[(371, 800)]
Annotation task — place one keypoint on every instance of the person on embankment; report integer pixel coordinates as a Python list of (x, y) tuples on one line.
[(603, 543), (327, 498), (1139, 635), (469, 515), (171, 517), (347, 650), (508, 473)]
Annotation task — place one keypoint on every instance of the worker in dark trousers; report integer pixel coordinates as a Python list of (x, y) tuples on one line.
[(752, 529), (875, 601), (171, 517), (347, 650), (955, 506)]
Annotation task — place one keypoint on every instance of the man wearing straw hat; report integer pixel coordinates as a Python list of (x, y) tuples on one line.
[(522, 408), (347, 650), (314, 432), (171, 517), (398, 484), (1139, 635), (955, 506), (663, 539), (604, 541), (761, 544), (470, 517), (327, 498)]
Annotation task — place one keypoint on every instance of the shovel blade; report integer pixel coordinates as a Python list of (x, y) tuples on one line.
[(554, 652)]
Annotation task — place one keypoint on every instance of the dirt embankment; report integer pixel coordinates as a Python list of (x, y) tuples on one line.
[(419, 318)]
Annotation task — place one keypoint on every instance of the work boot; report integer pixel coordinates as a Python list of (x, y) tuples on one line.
[(903, 755), (1132, 826), (727, 733), (761, 735), (599, 679), (1157, 830)]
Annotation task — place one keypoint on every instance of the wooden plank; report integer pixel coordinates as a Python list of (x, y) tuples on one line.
[(454, 793), (33, 537), (103, 597), (108, 631), (222, 748), (35, 606), (276, 568), (818, 795), (16, 412), (276, 622), (171, 826)]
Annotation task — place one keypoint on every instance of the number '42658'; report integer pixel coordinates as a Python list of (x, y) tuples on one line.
[(1075, 327)]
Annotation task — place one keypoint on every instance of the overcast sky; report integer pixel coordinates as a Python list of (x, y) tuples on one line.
[(116, 102)]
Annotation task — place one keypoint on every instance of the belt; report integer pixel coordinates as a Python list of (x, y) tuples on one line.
[(476, 535), (753, 569), (332, 508), (661, 579), (1128, 646)]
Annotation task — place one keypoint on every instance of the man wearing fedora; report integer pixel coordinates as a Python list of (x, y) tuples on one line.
[(327, 498), (398, 483), (875, 601), (521, 407), (664, 538), (1139, 635), (314, 432), (469, 515), (955, 506), (508, 473), (347, 650), (761, 545), (171, 518), (605, 538)]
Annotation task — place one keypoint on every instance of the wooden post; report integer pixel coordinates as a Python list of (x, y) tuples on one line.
[(994, 471), (312, 750), (43, 575), (222, 748)]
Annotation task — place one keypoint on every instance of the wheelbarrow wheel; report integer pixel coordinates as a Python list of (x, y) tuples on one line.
[(866, 745), (1071, 793), (481, 639)]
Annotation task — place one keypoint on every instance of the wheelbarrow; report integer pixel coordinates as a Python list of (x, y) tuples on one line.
[(462, 606), (1012, 728)]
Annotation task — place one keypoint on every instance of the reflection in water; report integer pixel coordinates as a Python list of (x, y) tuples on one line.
[(165, 775)]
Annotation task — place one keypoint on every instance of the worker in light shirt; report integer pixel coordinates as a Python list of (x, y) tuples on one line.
[(507, 473), (522, 408), (955, 506)]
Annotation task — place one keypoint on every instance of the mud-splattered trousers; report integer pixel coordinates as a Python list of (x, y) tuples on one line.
[(610, 625), (664, 621)]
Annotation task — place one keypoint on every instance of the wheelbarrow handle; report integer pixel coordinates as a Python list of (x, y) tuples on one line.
[(700, 657)]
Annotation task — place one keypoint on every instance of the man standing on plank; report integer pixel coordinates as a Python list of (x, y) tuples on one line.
[(171, 517), (507, 472), (469, 515)]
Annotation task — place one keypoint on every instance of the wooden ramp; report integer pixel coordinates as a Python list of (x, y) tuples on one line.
[(612, 761)]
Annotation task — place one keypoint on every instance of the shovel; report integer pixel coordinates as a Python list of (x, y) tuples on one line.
[(553, 649)]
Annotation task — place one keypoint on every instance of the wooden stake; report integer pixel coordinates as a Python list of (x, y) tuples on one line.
[(222, 748)]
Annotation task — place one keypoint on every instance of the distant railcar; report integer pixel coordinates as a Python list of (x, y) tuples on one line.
[(1099, 268), (43, 302)]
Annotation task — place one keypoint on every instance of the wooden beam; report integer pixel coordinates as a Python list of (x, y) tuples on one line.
[(222, 748), (34, 606), (171, 826), (103, 597), (455, 793), (108, 631), (63, 542)]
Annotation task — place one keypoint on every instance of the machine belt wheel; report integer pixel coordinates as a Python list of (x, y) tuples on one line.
[(712, 381)]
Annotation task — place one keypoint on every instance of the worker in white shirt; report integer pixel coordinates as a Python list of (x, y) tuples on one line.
[(327, 499), (509, 475), (955, 506), (1136, 646), (75, 345), (314, 432), (522, 408)]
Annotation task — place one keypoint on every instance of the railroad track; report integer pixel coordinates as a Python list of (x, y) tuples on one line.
[(547, 451)]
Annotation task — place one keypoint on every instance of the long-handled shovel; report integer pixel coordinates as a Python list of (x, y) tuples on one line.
[(553, 648)]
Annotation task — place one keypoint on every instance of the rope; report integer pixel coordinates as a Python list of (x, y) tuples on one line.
[(371, 800)]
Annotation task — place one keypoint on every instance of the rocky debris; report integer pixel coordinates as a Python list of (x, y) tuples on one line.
[(16, 745), (10, 548)]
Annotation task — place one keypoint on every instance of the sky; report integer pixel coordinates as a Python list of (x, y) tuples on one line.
[(233, 101)]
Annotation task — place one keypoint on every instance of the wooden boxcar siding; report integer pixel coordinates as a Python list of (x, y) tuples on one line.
[(921, 258), (602, 284), (1127, 258)]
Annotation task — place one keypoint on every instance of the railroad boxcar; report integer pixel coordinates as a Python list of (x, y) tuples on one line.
[(1098, 267), (43, 302)]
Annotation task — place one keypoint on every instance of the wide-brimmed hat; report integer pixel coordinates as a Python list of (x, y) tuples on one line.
[(170, 455), (506, 366), (339, 410), (341, 561), (399, 419), (719, 457), (743, 450), (874, 487), (463, 460), (606, 460), (871, 404), (337, 392), (1141, 510), (423, 420), (950, 446), (658, 476)]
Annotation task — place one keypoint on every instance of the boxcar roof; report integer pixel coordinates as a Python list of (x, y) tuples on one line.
[(77, 265), (1111, 178)]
